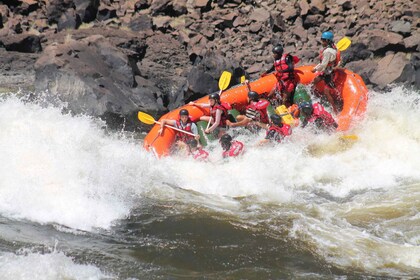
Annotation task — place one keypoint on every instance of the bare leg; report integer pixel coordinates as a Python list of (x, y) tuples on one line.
[(241, 120)]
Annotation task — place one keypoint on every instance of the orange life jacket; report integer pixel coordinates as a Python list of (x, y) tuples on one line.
[(337, 60)]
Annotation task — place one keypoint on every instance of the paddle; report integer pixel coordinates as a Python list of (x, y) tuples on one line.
[(148, 119), (343, 44), (224, 82)]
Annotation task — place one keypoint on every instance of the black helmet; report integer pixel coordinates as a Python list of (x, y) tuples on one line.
[(225, 141), (306, 108), (278, 49), (215, 96), (252, 95), (192, 143), (184, 112), (276, 119)]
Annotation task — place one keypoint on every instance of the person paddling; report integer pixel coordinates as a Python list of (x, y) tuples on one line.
[(276, 130), (184, 123), (256, 110), (329, 59), (318, 115), (231, 148), (197, 152), (284, 64), (218, 114)]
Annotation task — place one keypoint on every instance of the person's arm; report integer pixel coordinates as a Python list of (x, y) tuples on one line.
[(268, 71), (163, 123), (194, 130), (327, 57), (260, 124), (202, 105), (216, 121)]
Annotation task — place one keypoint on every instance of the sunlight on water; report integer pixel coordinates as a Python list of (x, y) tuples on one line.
[(67, 170), (45, 266)]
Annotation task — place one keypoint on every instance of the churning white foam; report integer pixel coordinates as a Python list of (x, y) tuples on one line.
[(49, 266), (58, 168)]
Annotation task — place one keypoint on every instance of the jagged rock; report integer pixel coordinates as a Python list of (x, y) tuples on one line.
[(413, 41), (317, 6), (379, 39), (55, 8), (93, 77), (304, 7), (87, 9), (106, 12), (365, 68), (69, 20), (399, 26), (26, 43), (260, 15), (389, 69)]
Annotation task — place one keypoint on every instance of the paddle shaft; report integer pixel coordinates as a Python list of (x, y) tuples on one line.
[(177, 129)]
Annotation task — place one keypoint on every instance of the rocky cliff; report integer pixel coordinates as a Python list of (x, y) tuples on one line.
[(112, 58)]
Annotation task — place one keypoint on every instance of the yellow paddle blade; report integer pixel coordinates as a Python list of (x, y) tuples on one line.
[(343, 44), (146, 118), (242, 79), (224, 80), (285, 115), (352, 137)]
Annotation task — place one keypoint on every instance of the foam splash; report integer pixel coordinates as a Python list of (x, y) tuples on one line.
[(54, 265)]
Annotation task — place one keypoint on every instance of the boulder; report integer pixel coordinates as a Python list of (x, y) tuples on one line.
[(389, 69), (93, 77), (380, 39), (26, 43)]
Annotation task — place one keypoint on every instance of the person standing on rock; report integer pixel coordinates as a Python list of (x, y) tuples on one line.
[(284, 64), (329, 59)]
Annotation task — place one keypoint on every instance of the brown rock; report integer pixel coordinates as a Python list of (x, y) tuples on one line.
[(317, 6), (378, 39), (412, 41), (255, 27), (304, 7), (239, 21), (389, 69), (161, 21), (260, 15), (201, 3)]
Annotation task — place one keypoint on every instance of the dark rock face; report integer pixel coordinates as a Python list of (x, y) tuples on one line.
[(113, 58)]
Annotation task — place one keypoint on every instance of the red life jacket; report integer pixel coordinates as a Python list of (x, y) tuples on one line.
[(224, 107), (261, 107), (284, 130), (236, 148), (319, 112), (200, 154), (281, 65), (187, 127), (337, 60)]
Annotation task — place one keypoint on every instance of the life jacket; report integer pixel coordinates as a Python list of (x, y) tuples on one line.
[(281, 65), (260, 107), (236, 148), (200, 154), (320, 112), (334, 63), (284, 130), (187, 127), (224, 107)]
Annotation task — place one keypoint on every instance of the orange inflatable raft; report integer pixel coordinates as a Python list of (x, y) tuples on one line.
[(351, 86)]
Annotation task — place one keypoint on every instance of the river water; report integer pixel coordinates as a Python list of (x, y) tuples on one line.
[(80, 202)]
